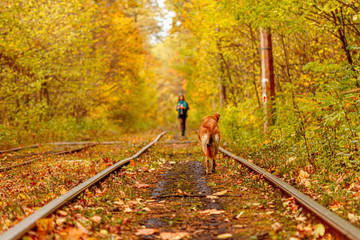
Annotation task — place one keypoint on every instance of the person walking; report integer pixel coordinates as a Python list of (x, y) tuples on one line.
[(182, 108)]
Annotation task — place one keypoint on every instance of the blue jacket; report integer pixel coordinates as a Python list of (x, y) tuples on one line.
[(182, 112)]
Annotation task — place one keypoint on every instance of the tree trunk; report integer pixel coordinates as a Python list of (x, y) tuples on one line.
[(222, 89), (267, 75)]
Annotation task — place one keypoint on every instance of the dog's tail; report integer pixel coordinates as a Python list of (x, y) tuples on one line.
[(209, 142)]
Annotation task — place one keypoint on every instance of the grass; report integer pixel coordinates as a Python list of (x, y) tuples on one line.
[(334, 184)]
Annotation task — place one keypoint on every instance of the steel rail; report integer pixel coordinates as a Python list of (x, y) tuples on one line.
[(18, 149), (26, 224), (47, 155), (339, 224), (83, 143)]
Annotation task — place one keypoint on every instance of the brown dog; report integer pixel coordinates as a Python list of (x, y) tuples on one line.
[(209, 136)]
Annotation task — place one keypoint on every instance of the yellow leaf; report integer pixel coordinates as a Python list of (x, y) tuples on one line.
[(211, 211), (220, 193), (63, 190), (21, 196), (224, 236), (319, 230)]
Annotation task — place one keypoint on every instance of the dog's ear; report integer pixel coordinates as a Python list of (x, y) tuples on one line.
[(204, 118), (217, 116)]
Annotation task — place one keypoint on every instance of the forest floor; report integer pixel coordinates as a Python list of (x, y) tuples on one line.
[(163, 194)]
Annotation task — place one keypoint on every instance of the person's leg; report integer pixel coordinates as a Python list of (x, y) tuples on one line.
[(183, 133), (182, 122)]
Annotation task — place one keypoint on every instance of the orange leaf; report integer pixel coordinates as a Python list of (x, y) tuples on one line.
[(145, 231), (141, 185), (132, 163), (176, 235)]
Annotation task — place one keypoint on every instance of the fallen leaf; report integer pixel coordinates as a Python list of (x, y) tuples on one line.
[(132, 203), (81, 227), (319, 230), (146, 209), (132, 163), (62, 213), (145, 231), (63, 190), (119, 202), (21, 196), (353, 217), (96, 219), (220, 193), (79, 216), (122, 194), (141, 185), (173, 236), (180, 192), (224, 236), (104, 231), (212, 197), (101, 192), (74, 233), (211, 211), (59, 221), (291, 159), (126, 220), (277, 226), (239, 226), (128, 210), (303, 178), (43, 227), (334, 207), (300, 218)]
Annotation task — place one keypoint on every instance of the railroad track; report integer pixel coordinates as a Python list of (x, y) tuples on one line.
[(51, 152), (47, 154), (18, 149), (340, 226), (22, 227)]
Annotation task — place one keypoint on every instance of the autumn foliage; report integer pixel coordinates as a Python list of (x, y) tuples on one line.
[(72, 65)]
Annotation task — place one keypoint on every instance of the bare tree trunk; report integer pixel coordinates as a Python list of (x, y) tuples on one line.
[(254, 64), (214, 103), (222, 89), (267, 75)]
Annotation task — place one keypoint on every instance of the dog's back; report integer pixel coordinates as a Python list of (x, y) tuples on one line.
[(209, 136)]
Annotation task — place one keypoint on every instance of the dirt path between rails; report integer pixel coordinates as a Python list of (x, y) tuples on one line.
[(165, 194)]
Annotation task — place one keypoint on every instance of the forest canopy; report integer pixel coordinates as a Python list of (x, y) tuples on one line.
[(74, 64), (315, 47), (90, 66)]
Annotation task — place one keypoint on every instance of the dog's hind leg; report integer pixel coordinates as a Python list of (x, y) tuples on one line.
[(207, 165), (214, 165), (211, 166)]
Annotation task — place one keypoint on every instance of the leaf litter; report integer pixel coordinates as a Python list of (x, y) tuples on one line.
[(119, 209)]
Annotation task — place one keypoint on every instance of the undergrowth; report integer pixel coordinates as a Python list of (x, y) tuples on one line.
[(314, 145)]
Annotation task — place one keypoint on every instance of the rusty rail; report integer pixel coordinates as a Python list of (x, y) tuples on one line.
[(337, 223), (26, 224)]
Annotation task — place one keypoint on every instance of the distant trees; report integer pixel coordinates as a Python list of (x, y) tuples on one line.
[(74, 59), (316, 60)]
